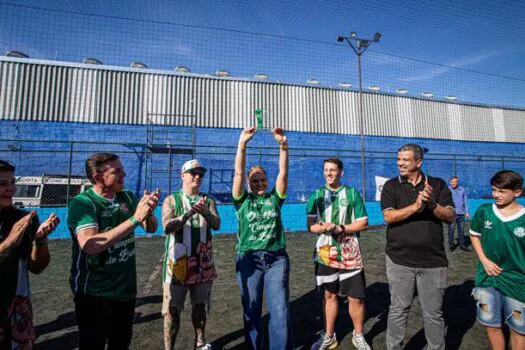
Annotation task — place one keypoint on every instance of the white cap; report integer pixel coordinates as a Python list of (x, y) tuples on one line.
[(190, 165)]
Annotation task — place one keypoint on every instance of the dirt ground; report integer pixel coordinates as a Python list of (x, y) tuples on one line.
[(56, 328)]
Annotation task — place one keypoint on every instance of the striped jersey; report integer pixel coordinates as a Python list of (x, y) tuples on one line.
[(342, 206), (188, 253), (111, 273)]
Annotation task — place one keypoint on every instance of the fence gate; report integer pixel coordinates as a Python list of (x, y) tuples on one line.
[(170, 140)]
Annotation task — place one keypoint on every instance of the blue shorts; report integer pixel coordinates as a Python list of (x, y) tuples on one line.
[(493, 308)]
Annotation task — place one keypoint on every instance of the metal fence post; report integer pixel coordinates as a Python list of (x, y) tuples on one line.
[(69, 172)]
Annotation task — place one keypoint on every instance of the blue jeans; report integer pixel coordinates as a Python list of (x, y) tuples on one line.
[(260, 271), (490, 304), (460, 222)]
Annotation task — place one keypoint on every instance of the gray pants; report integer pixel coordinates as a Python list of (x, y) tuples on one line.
[(430, 284)]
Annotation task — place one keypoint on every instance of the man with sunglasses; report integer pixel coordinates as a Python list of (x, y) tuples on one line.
[(188, 216)]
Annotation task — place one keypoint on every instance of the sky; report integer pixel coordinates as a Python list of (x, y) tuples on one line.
[(470, 49)]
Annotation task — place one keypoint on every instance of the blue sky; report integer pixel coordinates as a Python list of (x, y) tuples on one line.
[(300, 41)]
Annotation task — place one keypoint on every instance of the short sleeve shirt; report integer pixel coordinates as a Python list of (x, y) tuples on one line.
[(112, 273), (342, 206), (503, 242), (260, 225), (418, 240)]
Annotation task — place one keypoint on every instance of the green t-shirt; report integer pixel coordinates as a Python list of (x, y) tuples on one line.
[(342, 206), (112, 273), (503, 242), (260, 225), (15, 304), (188, 256)]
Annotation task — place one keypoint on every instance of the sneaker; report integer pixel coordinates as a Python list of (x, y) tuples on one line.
[(359, 341), (204, 347), (325, 342)]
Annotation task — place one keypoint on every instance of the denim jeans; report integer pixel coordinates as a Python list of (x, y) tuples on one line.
[(460, 222), (430, 284), (491, 302), (268, 272)]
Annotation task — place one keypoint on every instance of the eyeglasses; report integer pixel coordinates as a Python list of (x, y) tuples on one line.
[(196, 172)]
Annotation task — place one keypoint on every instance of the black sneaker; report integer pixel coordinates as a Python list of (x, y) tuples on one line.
[(451, 248), (465, 248)]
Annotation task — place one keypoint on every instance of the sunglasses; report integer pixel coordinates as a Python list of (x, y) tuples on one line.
[(196, 172)]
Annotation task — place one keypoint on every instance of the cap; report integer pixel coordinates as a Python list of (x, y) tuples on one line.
[(190, 165)]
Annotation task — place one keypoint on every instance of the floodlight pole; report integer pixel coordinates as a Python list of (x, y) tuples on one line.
[(359, 49)]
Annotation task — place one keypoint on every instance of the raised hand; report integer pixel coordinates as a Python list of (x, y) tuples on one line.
[(146, 205), (201, 207), (19, 228), (491, 268), (278, 135), (247, 135), (47, 227)]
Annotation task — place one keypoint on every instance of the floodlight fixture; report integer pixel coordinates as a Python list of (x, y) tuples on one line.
[(262, 76), (182, 69), (139, 65), (345, 85), (92, 60), (222, 73), (359, 46), (17, 54), (427, 94), (402, 91), (313, 82), (451, 98)]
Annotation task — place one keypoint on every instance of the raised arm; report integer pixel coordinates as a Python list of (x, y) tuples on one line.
[(15, 235), (281, 185), (93, 242), (240, 162), (40, 255)]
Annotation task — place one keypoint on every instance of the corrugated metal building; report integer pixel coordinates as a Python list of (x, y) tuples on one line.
[(36, 90)]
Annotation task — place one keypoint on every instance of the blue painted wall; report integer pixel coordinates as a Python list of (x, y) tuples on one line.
[(294, 217), (475, 162)]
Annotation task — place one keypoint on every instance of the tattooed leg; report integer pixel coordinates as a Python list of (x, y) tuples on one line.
[(198, 317), (171, 327)]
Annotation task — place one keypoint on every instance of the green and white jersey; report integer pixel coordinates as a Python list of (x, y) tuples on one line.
[(260, 225), (342, 206), (112, 273), (188, 257), (503, 242)]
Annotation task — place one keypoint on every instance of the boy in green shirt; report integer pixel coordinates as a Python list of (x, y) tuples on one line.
[(497, 234)]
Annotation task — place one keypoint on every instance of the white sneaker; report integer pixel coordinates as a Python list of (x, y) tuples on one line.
[(359, 341), (325, 342), (204, 347)]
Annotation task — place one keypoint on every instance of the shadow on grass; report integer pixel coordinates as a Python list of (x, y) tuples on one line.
[(68, 319), (307, 319)]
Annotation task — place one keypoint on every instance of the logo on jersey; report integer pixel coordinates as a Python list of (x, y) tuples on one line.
[(107, 214), (343, 202), (488, 225), (519, 232), (124, 207)]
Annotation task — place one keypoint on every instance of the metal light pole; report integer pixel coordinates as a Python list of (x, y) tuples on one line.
[(359, 48)]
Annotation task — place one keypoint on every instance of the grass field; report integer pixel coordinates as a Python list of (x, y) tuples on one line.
[(55, 321)]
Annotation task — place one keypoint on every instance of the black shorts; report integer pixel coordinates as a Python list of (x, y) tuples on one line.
[(346, 283)]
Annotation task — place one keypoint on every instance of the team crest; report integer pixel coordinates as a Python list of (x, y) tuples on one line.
[(124, 207), (519, 232), (343, 202)]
